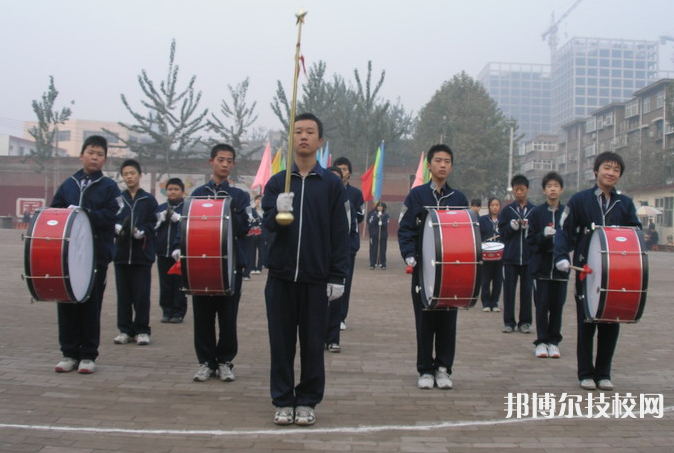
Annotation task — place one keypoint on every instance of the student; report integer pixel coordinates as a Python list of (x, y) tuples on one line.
[(358, 205), (549, 283), (513, 224), (255, 238), (600, 205), (172, 299), (80, 324), (308, 265), (216, 355), (436, 329), (475, 205), (134, 255), (492, 271), (377, 223)]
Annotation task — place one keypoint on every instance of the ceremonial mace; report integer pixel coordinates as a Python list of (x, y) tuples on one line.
[(286, 218)]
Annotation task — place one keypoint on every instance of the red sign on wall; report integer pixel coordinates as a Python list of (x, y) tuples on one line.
[(28, 204)]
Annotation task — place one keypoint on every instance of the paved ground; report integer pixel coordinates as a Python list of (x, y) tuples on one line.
[(142, 399)]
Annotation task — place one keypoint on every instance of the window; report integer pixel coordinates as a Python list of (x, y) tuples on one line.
[(632, 108), (109, 137), (63, 136), (647, 104), (660, 101), (591, 124), (668, 213)]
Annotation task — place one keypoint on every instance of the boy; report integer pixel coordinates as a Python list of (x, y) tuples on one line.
[(80, 324), (172, 299), (436, 329), (513, 223), (134, 255), (255, 238), (600, 205), (308, 264), (475, 205), (549, 282), (377, 222), (358, 207), (216, 357)]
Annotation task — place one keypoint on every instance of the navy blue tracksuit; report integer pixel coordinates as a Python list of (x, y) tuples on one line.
[(172, 299), (355, 197), (584, 209), (515, 264), (205, 309), (549, 283), (378, 229), (133, 263), (492, 271), (436, 329), (303, 258), (80, 324)]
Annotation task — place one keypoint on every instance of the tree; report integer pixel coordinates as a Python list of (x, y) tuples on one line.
[(45, 133), (171, 120), (462, 115)]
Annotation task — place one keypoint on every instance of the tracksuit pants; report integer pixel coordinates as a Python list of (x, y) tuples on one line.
[(172, 299), (549, 298), (511, 273), (492, 280), (133, 298)]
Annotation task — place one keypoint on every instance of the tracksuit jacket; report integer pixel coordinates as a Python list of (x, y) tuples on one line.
[(358, 206), (141, 209), (489, 229), (541, 265), (516, 250), (167, 230)]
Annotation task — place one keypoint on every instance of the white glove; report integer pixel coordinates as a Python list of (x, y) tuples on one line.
[(73, 206), (525, 224), (514, 224), (548, 231), (335, 291), (411, 261), (161, 216), (563, 265), (118, 228), (380, 223), (176, 254), (175, 217), (284, 202), (138, 234), (378, 214)]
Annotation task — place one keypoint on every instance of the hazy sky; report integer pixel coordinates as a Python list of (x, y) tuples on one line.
[(95, 49)]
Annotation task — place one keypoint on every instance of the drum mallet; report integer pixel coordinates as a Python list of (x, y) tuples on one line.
[(583, 270)]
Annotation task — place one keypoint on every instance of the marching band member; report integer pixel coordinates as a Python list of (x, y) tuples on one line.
[(377, 223), (514, 227), (600, 205), (436, 330), (492, 271), (308, 264), (80, 324)]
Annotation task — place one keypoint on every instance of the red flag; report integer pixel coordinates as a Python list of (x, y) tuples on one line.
[(176, 269), (264, 172), (367, 180)]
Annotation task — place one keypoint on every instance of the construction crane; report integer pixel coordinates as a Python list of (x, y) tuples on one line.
[(551, 32)]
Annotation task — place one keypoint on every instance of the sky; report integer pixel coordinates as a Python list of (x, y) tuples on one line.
[(95, 50)]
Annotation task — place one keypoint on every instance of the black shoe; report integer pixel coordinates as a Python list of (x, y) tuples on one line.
[(176, 320)]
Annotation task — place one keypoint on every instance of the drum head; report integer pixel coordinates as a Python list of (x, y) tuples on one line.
[(80, 256), (229, 252), (428, 257), (492, 246), (595, 260)]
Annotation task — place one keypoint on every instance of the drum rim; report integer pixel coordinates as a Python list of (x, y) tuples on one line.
[(64, 257)]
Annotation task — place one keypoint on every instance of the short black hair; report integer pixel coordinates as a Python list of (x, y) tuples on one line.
[(609, 156), (343, 161), (311, 117), (552, 176), (176, 182), (519, 180), (476, 202), (95, 140), (438, 148), (130, 163), (336, 169), (222, 147), (257, 197), (380, 203)]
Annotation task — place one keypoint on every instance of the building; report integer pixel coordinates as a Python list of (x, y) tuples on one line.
[(522, 91), (588, 73), (16, 146), (72, 134), (538, 157)]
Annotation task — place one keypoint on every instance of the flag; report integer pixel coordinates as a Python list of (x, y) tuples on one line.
[(326, 157), (366, 184), (264, 172), (276, 164), (322, 156), (422, 173), (378, 175)]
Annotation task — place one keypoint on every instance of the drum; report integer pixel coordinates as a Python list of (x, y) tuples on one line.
[(59, 255), (615, 291), (208, 258), (492, 251), (450, 255)]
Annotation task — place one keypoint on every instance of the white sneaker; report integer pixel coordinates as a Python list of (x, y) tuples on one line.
[(553, 351), (486, 309), (588, 384), (226, 372), (426, 381), (284, 416), (442, 379), (87, 367), (605, 384), (65, 365), (142, 339), (123, 338), (342, 326), (203, 373), (496, 309), (542, 351), (305, 416)]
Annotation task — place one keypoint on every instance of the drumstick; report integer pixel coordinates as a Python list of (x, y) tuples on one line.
[(493, 237), (583, 270)]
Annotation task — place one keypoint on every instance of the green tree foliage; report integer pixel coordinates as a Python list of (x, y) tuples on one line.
[(45, 133), (170, 121), (462, 115), (355, 117)]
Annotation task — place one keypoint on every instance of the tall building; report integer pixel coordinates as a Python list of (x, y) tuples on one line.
[(588, 73), (522, 91), (537, 158)]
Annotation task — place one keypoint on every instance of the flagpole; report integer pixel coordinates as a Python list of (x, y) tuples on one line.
[(286, 218)]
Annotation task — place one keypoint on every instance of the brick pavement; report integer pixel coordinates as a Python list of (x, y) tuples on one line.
[(372, 383)]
